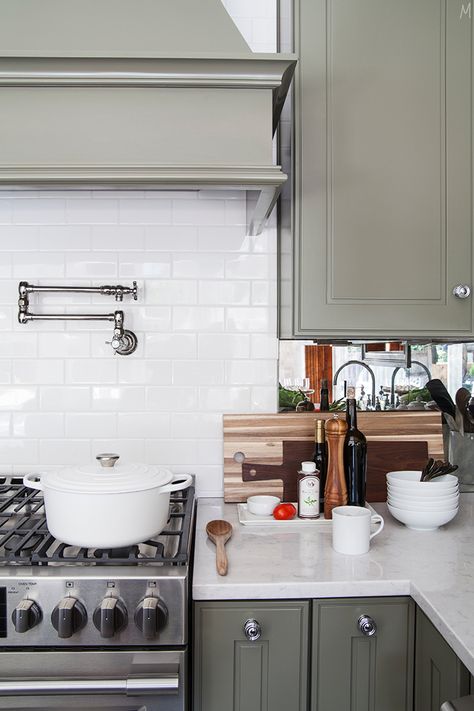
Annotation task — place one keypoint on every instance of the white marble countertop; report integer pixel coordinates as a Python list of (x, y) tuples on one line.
[(435, 568)]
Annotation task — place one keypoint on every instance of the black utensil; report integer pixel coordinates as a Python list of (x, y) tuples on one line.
[(441, 396)]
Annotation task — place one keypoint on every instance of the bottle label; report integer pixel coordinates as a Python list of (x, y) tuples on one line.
[(308, 497)]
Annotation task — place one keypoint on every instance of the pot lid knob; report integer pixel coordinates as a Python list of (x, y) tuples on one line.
[(107, 460)]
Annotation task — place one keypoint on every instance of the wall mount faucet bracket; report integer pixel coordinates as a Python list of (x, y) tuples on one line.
[(124, 341)]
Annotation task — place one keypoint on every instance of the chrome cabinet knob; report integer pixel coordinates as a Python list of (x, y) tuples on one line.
[(367, 625), (252, 630), (462, 291)]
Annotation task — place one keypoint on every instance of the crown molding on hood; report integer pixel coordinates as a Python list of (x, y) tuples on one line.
[(84, 107)]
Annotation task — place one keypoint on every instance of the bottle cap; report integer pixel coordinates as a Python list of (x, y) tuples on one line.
[(350, 392), (308, 467)]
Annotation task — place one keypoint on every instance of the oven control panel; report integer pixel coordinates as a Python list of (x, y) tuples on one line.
[(88, 612)]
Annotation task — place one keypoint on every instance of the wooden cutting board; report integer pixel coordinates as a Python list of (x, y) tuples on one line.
[(262, 452)]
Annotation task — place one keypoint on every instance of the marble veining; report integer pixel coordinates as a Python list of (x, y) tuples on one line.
[(435, 568)]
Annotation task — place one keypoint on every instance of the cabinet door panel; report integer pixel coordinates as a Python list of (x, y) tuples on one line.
[(234, 674), (439, 675), (357, 673), (383, 218)]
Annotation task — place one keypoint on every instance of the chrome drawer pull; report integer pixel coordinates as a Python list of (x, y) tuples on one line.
[(131, 687)]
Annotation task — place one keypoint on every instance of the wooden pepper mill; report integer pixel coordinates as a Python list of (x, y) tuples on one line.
[(335, 492)]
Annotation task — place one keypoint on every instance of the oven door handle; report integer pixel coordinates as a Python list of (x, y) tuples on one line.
[(132, 686)]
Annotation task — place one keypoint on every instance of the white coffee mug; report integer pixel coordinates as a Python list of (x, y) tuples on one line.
[(351, 529)]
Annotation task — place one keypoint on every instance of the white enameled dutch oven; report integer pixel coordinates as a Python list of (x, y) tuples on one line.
[(107, 505)]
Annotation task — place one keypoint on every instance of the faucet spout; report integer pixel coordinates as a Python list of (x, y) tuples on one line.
[(363, 365)]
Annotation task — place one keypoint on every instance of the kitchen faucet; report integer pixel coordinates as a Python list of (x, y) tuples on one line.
[(364, 365)]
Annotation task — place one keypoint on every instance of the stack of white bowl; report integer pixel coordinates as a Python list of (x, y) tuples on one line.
[(422, 505)]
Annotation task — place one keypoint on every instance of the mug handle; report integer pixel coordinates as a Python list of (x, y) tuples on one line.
[(377, 518), (185, 480), (29, 480)]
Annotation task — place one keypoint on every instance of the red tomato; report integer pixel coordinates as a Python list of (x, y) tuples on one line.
[(283, 512)]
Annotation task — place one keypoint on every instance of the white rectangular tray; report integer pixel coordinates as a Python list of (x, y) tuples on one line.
[(248, 519)]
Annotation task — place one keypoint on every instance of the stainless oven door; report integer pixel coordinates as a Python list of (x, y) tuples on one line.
[(78, 680)]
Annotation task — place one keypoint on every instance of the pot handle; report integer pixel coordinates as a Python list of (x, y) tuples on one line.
[(185, 480), (30, 480)]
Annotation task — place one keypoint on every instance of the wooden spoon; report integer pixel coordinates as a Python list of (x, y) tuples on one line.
[(219, 533)]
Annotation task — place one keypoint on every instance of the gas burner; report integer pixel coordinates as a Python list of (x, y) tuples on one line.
[(25, 539)]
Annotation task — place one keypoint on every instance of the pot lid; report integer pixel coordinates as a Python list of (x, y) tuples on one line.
[(108, 477)]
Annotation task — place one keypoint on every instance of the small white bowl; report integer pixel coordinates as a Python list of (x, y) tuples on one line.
[(422, 520), (262, 505), (411, 480)]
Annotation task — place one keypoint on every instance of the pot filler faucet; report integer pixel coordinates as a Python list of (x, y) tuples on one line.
[(124, 342)]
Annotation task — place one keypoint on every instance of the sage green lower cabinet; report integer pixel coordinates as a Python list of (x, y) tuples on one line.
[(440, 675), (232, 673), (355, 672)]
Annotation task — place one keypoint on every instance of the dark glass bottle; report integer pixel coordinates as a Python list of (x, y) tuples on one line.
[(324, 396), (355, 456), (320, 458)]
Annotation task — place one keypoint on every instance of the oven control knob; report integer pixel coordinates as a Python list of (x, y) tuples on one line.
[(26, 615), (151, 615), (68, 616), (110, 617)]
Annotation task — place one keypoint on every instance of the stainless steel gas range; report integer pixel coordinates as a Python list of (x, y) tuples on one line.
[(95, 629)]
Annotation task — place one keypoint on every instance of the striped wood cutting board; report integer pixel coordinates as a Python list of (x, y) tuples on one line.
[(271, 447)]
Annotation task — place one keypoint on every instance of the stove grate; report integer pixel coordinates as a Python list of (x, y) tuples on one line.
[(25, 539)]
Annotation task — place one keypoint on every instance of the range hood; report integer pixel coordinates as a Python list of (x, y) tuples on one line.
[(137, 93)]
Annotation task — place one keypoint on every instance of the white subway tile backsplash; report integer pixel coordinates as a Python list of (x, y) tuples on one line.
[(199, 212), (91, 211), (64, 399), (195, 425), (205, 319), (251, 372), (63, 451), (198, 318), (224, 292), (39, 211), (170, 345), (170, 399), (63, 345), (35, 266), (224, 399), (90, 370), (145, 212), (225, 346), (39, 372), (141, 425), (38, 424), (171, 292), (252, 319), (198, 266), (5, 418), (19, 451), (198, 372), (88, 425), (118, 398)]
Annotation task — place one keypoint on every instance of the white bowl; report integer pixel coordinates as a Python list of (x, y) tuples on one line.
[(422, 520), (410, 499), (424, 491), (262, 505), (422, 506), (411, 480)]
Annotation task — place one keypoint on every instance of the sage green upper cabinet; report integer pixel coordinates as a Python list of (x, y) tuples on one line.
[(362, 654), (383, 180)]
